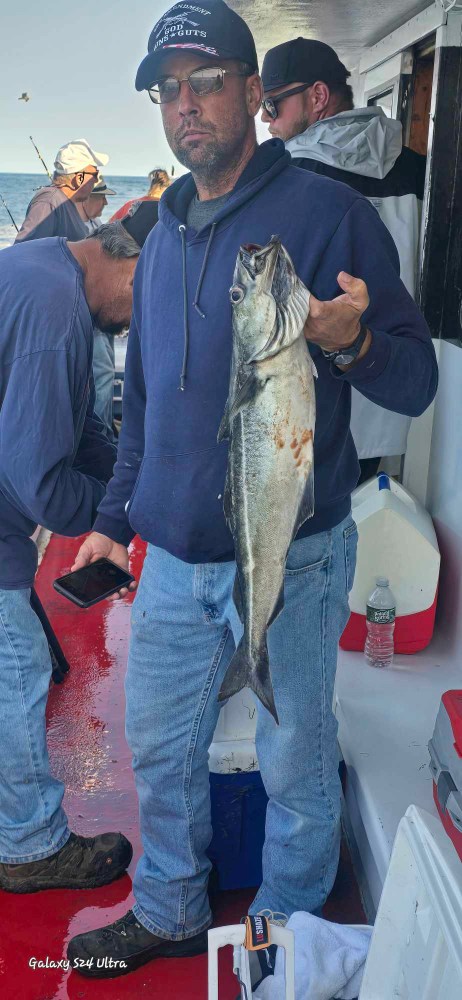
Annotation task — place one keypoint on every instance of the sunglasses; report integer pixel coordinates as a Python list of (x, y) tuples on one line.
[(270, 104), (203, 81), (86, 173)]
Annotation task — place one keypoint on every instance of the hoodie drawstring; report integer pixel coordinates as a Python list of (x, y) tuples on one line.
[(201, 276), (182, 230)]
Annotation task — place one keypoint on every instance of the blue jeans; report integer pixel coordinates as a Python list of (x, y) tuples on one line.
[(184, 631), (103, 374), (33, 824)]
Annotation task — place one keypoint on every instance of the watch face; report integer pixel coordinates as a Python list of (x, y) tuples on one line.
[(344, 359)]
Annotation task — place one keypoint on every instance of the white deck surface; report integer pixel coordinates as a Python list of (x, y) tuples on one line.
[(386, 718)]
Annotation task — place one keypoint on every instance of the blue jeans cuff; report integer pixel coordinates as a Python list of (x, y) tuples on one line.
[(154, 929), (37, 855)]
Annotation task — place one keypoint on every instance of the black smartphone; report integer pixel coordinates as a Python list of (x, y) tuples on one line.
[(93, 583)]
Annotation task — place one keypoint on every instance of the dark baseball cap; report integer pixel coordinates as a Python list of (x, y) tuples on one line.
[(140, 219), (302, 60), (210, 27)]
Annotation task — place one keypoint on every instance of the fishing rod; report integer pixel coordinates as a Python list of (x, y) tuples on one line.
[(9, 213), (42, 161)]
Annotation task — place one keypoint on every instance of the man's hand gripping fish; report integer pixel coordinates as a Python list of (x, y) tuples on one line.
[(269, 419)]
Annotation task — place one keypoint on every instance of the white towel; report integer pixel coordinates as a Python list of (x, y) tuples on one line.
[(329, 961)]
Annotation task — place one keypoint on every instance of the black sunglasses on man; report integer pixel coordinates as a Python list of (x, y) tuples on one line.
[(270, 104)]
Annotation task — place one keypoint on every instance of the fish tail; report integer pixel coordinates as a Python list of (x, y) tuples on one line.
[(245, 671)]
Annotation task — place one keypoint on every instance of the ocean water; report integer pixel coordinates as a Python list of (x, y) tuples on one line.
[(18, 189)]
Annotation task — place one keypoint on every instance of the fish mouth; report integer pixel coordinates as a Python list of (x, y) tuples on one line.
[(256, 259)]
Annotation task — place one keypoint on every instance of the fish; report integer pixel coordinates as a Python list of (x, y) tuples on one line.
[(269, 420)]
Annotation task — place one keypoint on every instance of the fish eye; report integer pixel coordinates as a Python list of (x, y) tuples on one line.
[(237, 294)]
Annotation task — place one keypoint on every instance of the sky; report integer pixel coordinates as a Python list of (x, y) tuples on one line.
[(78, 63)]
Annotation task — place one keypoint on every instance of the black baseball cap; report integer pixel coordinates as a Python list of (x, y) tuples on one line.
[(210, 27), (303, 60), (140, 219)]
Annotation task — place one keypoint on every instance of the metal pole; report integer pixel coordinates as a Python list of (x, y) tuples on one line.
[(9, 213), (42, 161)]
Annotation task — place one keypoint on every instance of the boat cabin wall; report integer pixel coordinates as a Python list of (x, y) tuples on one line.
[(417, 71), (433, 470)]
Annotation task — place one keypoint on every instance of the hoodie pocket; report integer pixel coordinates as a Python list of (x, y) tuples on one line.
[(128, 506), (177, 505)]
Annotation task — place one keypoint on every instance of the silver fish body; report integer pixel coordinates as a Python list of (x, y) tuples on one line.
[(270, 420)]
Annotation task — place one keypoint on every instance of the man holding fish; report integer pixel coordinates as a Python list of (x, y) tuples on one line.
[(207, 361)]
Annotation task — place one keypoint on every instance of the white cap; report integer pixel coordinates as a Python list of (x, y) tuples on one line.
[(76, 155)]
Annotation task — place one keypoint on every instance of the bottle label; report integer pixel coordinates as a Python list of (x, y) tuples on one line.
[(380, 616)]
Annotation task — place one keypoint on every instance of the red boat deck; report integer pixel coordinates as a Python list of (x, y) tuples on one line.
[(89, 754)]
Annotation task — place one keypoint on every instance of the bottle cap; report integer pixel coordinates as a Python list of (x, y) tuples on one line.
[(381, 581)]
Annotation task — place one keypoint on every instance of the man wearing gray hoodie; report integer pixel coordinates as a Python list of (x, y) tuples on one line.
[(309, 105)]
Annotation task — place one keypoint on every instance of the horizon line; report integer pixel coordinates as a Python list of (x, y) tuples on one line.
[(30, 173)]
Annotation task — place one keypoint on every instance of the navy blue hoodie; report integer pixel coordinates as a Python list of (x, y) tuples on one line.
[(169, 477), (54, 456)]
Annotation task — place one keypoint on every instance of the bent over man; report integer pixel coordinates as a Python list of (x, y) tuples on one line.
[(55, 462)]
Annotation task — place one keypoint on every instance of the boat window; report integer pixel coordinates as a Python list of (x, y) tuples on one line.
[(384, 101)]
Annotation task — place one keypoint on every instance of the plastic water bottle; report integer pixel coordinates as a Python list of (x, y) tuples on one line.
[(380, 622)]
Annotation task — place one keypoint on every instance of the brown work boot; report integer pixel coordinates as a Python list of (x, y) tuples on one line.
[(83, 863)]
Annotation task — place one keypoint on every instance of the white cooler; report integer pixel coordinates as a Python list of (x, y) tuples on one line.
[(396, 539)]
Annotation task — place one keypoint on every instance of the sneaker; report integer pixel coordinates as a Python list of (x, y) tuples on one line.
[(83, 863), (123, 946)]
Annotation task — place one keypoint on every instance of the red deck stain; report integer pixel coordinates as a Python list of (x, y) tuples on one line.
[(85, 721)]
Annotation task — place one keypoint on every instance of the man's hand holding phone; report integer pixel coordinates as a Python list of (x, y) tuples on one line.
[(98, 546)]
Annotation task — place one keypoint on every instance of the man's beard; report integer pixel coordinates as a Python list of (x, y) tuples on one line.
[(213, 159), (207, 159), (299, 127)]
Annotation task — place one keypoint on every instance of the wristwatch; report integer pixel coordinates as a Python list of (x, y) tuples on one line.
[(345, 355)]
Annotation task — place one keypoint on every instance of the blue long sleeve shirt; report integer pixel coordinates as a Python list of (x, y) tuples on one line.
[(54, 457), (169, 479)]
